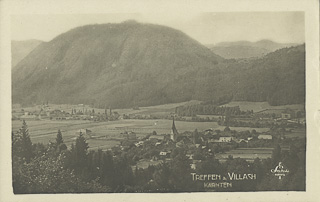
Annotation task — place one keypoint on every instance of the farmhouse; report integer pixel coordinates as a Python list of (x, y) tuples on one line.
[(180, 143), (285, 115), (165, 154), (157, 143), (225, 139), (138, 144), (156, 137), (28, 116)]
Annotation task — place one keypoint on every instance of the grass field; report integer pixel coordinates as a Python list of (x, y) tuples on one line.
[(260, 106), (165, 109), (105, 133), (45, 130), (296, 133), (247, 153)]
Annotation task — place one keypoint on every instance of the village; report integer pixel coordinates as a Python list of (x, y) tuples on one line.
[(154, 147), (200, 145)]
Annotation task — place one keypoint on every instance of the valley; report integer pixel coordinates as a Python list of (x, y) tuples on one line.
[(139, 107)]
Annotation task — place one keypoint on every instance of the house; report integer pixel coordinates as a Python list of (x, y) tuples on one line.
[(156, 137), (138, 144), (157, 143), (180, 144), (28, 116), (285, 115), (243, 143), (265, 137), (225, 139), (241, 140), (165, 154)]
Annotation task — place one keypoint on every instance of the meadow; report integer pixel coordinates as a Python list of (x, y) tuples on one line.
[(105, 134), (261, 106)]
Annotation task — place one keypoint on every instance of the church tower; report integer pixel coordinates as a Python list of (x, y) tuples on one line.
[(174, 132)]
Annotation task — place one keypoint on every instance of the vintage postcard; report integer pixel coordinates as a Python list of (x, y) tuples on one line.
[(166, 101)]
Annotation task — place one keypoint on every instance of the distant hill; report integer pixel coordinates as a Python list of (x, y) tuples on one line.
[(133, 64), (246, 49), (20, 49)]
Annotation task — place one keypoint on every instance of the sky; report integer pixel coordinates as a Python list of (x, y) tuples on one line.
[(207, 28)]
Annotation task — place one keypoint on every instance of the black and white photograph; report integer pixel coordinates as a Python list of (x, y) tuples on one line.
[(159, 102)]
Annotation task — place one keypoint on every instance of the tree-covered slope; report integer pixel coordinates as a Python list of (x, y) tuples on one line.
[(115, 64), (133, 64)]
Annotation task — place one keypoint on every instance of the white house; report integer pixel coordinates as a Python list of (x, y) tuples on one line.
[(225, 139)]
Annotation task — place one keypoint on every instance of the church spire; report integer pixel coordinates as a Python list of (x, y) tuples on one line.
[(174, 132)]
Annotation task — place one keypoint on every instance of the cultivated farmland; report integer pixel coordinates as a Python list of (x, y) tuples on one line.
[(105, 133)]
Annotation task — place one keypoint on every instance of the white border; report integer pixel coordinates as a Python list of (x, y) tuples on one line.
[(311, 9)]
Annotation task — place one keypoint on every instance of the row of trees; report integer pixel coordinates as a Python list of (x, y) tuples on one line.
[(210, 109)]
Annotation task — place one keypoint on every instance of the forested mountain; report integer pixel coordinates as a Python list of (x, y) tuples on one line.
[(20, 49), (278, 78), (115, 64), (246, 49), (133, 64)]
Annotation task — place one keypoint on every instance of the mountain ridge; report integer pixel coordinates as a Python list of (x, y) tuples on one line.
[(247, 49), (20, 49), (134, 64), (128, 55)]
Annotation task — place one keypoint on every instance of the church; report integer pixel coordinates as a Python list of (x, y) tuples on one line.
[(174, 132)]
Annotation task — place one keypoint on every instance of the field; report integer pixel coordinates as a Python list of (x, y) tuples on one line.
[(247, 153), (165, 109), (296, 133), (260, 106), (106, 134)]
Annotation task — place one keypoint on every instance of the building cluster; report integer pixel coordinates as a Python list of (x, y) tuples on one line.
[(44, 112), (208, 143)]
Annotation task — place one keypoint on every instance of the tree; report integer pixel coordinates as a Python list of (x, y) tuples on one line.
[(162, 178), (276, 155), (59, 139), (195, 137), (227, 129), (180, 168), (47, 174), (78, 154), (21, 144)]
